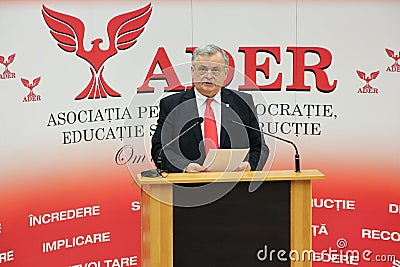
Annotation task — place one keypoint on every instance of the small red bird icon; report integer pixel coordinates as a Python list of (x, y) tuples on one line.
[(372, 76), (32, 85), (9, 60), (391, 54), (123, 31)]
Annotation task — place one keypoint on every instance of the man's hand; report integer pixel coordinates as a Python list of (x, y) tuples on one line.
[(194, 167), (244, 166)]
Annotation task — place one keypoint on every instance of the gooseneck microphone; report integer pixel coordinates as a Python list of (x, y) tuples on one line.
[(195, 122), (296, 156), (157, 172)]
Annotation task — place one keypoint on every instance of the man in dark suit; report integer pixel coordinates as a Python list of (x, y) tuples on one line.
[(223, 111)]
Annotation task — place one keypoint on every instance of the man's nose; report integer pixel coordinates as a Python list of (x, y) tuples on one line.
[(209, 74)]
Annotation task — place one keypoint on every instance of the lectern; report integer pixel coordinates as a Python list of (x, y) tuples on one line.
[(227, 219)]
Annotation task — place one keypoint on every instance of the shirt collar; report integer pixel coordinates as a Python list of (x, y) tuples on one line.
[(203, 98)]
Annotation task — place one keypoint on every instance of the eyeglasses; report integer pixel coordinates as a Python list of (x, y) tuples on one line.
[(204, 70)]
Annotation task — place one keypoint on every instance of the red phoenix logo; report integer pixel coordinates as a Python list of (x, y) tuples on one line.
[(7, 73), (31, 96), (367, 88), (123, 31), (396, 66)]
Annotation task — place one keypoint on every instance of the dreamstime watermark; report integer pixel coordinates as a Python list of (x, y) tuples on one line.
[(341, 255)]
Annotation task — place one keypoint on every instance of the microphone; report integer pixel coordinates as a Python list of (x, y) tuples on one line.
[(157, 172), (296, 156)]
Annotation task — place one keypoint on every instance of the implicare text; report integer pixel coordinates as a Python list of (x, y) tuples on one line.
[(76, 241)]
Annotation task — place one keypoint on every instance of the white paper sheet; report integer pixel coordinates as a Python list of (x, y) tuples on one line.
[(220, 160)]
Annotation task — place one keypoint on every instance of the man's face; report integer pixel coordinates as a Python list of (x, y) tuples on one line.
[(209, 74)]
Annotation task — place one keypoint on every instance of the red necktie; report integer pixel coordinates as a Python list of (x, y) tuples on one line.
[(210, 127)]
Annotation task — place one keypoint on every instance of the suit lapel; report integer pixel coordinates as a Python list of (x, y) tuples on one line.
[(226, 103), (190, 110)]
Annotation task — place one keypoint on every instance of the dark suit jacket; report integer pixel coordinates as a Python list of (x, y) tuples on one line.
[(178, 112)]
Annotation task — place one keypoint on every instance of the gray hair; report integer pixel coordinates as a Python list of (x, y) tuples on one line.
[(209, 50)]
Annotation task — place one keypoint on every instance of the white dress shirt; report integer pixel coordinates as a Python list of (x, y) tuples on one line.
[(216, 107)]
